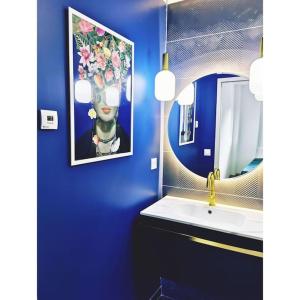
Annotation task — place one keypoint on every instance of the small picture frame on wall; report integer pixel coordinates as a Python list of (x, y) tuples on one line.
[(187, 123), (101, 67)]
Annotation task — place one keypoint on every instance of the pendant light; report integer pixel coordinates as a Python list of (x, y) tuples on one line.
[(165, 79), (83, 91), (187, 95), (256, 75)]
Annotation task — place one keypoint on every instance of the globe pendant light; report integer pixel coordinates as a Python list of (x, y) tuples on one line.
[(165, 79), (256, 75)]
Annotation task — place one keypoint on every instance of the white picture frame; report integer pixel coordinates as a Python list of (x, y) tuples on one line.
[(75, 159)]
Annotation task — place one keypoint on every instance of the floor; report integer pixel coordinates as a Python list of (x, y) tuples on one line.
[(169, 290)]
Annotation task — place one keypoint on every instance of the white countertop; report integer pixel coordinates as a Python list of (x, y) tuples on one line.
[(229, 219)]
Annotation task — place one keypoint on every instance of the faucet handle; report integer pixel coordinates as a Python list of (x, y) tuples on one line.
[(217, 173), (209, 178)]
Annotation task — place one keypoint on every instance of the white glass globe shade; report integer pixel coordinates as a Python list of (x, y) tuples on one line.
[(187, 95), (112, 94), (83, 91), (256, 79), (165, 85)]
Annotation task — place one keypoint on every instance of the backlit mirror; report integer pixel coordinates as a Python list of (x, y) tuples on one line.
[(223, 128)]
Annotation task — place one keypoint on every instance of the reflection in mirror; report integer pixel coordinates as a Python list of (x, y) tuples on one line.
[(187, 122), (221, 129)]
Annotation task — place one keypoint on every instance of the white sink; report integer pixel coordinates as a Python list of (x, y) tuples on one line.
[(240, 221), (217, 215)]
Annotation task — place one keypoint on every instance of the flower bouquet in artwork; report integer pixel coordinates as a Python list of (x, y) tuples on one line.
[(102, 69)]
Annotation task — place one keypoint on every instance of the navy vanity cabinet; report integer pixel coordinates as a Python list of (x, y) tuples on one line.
[(166, 249)]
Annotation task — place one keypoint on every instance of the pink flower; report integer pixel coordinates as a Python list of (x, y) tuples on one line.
[(115, 58), (96, 140), (109, 75), (85, 27), (101, 60), (100, 31), (86, 55), (99, 81), (81, 71), (122, 46)]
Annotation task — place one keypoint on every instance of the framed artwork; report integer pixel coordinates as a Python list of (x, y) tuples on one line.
[(187, 122), (101, 66)]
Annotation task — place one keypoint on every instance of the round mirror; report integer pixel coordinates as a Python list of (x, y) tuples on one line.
[(222, 128)]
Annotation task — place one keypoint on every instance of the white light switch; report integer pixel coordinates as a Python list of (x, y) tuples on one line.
[(196, 124), (207, 152), (153, 163), (49, 119)]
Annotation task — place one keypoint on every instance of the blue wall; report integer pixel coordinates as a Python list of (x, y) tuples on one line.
[(191, 155), (86, 213)]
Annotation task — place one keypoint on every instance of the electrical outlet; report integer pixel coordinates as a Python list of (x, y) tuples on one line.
[(154, 163), (207, 152)]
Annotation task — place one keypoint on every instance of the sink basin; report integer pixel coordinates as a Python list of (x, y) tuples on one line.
[(218, 215), (240, 221)]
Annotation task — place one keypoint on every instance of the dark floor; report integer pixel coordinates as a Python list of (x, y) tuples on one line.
[(169, 290)]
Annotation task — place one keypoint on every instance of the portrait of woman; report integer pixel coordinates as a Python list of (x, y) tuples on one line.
[(107, 136), (101, 73)]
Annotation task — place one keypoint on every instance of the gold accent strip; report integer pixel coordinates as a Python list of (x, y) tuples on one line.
[(214, 244), (226, 247)]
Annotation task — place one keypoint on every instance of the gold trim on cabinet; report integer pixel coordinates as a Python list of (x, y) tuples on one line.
[(226, 247), (214, 244)]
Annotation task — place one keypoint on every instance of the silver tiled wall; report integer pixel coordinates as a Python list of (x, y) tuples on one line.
[(205, 37)]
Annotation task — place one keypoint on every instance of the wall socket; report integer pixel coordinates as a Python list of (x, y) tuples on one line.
[(207, 152), (153, 163)]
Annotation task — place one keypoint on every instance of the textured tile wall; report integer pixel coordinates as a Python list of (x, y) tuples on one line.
[(205, 37)]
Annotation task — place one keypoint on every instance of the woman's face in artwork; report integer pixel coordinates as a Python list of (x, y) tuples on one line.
[(104, 112)]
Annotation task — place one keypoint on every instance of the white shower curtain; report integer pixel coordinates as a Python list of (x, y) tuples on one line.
[(240, 128)]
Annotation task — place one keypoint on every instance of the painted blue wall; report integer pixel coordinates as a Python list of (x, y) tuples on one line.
[(86, 213), (191, 155)]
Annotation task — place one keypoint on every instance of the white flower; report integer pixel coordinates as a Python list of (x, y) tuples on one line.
[(117, 73), (127, 60), (93, 68), (92, 113)]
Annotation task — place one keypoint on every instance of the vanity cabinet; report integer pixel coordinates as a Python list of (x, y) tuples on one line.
[(218, 265)]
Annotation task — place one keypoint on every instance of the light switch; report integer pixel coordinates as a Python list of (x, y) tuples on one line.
[(154, 163), (196, 124), (207, 152), (49, 119)]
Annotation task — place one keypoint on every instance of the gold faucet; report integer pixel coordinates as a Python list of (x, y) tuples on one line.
[(217, 174), (212, 176)]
